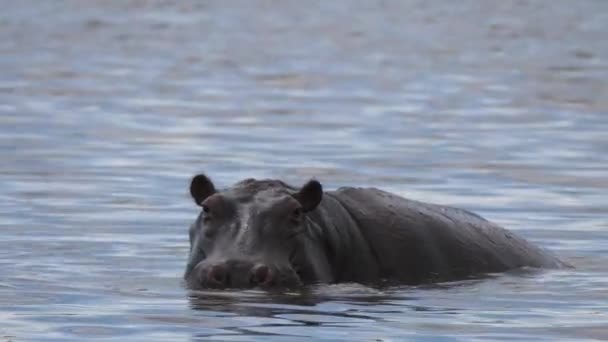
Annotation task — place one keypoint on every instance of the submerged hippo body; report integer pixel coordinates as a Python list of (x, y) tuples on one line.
[(266, 233)]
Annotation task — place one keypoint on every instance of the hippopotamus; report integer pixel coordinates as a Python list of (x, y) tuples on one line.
[(268, 234)]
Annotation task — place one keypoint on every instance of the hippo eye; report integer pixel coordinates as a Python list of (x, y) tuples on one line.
[(296, 214), (206, 213)]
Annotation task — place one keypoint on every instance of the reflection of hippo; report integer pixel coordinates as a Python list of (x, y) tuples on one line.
[(267, 233)]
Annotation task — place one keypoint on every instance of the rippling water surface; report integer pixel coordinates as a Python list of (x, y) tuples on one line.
[(107, 108)]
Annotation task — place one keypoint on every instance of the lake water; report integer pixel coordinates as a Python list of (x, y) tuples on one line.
[(107, 108)]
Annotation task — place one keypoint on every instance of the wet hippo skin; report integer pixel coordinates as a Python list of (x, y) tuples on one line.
[(265, 233)]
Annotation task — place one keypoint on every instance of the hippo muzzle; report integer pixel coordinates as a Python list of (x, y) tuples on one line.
[(241, 274)]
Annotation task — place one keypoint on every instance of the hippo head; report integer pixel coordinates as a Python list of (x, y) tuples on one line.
[(254, 234)]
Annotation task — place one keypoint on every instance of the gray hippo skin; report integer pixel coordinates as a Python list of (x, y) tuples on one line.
[(265, 233)]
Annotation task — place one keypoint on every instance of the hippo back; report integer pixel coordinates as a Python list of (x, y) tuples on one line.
[(416, 242)]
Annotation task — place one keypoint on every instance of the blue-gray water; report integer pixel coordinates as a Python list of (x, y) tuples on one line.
[(107, 108)]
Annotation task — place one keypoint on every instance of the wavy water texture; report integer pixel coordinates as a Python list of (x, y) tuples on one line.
[(107, 108)]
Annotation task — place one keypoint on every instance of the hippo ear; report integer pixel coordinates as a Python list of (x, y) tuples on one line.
[(201, 188), (310, 195)]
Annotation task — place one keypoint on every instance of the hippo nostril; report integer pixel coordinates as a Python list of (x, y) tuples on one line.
[(262, 275), (217, 275)]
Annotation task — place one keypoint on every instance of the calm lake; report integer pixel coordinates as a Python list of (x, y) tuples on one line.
[(108, 108)]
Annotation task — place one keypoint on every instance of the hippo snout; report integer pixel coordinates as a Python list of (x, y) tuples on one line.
[(261, 275), (240, 274), (215, 275)]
